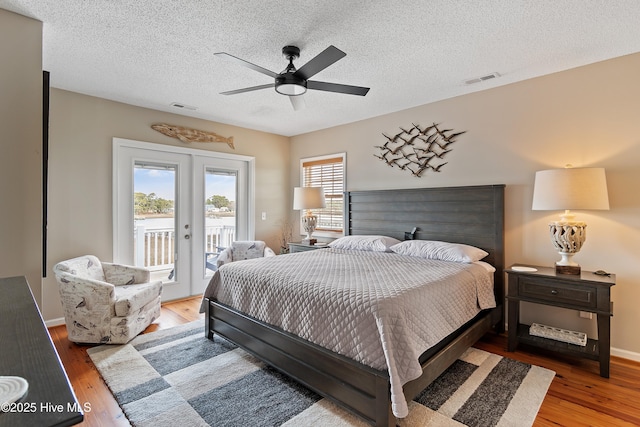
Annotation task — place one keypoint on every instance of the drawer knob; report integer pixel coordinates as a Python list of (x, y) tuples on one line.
[(554, 292)]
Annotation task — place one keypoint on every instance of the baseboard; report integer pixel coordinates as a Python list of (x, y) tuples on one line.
[(625, 354), (54, 322)]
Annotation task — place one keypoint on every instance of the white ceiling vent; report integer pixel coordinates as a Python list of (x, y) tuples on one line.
[(482, 79), (181, 105)]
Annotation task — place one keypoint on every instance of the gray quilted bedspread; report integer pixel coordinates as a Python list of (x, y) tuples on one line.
[(381, 309)]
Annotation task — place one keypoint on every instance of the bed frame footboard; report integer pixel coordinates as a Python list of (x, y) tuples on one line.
[(356, 387), (360, 389)]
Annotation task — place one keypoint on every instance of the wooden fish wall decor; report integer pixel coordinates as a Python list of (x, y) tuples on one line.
[(188, 135), (418, 149)]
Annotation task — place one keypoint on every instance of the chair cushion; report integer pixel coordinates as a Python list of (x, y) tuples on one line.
[(123, 329), (131, 298), (118, 274)]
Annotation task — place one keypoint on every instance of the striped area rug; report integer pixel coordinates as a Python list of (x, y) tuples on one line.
[(178, 377)]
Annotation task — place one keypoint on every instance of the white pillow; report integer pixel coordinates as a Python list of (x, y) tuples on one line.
[(443, 251), (490, 268), (365, 243)]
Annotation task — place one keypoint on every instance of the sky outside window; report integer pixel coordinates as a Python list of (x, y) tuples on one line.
[(161, 182)]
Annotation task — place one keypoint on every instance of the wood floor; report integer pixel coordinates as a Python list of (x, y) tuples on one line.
[(578, 396)]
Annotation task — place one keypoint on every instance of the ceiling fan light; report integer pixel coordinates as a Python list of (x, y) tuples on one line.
[(291, 89)]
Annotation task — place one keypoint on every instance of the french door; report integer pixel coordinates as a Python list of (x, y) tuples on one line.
[(175, 209)]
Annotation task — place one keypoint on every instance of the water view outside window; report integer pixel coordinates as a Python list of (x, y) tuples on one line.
[(154, 225), (219, 213), (155, 218)]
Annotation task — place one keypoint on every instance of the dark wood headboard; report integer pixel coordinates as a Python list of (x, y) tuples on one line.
[(472, 215)]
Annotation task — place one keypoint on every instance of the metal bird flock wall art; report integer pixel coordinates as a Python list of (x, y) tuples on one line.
[(188, 135), (418, 149)]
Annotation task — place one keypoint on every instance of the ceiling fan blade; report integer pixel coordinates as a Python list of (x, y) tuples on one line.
[(248, 89), (298, 102), (244, 63), (321, 61), (334, 87)]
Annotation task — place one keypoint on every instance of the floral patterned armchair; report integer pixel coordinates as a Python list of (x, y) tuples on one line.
[(106, 303), (245, 249)]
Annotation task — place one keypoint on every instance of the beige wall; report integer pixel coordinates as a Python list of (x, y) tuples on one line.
[(587, 116), (21, 149), (80, 174)]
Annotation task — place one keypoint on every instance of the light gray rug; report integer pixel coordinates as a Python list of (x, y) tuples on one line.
[(178, 377)]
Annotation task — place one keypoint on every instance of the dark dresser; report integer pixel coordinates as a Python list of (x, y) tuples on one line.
[(26, 351)]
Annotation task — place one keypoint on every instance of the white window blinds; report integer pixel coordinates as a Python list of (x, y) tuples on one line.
[(328, 173)]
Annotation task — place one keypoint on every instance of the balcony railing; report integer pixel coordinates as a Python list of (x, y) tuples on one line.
[(155, 248)]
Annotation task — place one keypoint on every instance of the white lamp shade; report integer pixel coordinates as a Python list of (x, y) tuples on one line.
[(570, 189), (308, 198)]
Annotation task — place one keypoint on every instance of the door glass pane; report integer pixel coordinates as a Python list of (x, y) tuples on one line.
[(154, 189), (219, 213)]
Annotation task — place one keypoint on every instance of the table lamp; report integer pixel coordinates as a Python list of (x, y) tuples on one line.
[(567, 189), (307, 198)]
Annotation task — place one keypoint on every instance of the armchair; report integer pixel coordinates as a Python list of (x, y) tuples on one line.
[(241, 250), (106, 303)]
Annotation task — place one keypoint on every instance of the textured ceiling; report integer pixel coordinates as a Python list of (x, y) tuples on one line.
[(152, 53)]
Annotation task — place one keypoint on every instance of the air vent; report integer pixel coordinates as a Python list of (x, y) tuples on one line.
[(180, 105), (482, 79)]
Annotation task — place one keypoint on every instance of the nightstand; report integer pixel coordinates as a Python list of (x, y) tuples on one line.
[(587, 292), (299, 247)]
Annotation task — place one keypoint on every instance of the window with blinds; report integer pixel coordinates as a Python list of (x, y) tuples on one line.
[(327, 172)]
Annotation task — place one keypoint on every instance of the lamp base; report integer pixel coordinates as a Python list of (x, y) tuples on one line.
[(309, 222), (567, 265), (573, 270)]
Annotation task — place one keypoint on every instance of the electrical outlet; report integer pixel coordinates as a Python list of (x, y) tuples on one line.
[(586, 315), (264, 216)]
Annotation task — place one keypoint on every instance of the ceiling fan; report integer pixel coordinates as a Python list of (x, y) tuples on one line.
[(295, 82)]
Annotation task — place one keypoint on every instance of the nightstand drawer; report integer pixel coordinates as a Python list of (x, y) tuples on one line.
[(579, 296)]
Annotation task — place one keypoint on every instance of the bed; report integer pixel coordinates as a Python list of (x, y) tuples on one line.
[(468, 215)]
